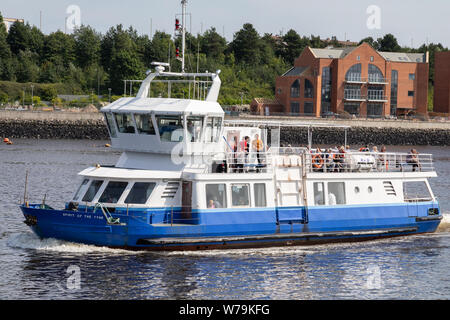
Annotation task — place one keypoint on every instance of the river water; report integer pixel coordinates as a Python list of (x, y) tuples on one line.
[(414, 267)]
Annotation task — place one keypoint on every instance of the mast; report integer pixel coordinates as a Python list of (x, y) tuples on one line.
[(183, 31)]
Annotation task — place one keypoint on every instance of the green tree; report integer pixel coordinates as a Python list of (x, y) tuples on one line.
[(6, 71), (294, 46), (87, 46), (388, 43), (212, 44), (369, 40), (246, 45)]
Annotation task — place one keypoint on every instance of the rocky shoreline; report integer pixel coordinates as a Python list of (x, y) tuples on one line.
[(95, 129)]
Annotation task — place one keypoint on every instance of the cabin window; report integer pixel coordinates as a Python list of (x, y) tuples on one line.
[(216, 196), (213, 126), (194, 128), (319, 194), (110, 124), (260, 195), (113, 192), (92, 190), (170, 128), (140, 192), (240, 195), (78, 193), (336, 193), (144, 124), (416, 191), (125, 123)]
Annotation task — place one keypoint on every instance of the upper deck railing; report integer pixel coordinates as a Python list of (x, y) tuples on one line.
[(325, 162)]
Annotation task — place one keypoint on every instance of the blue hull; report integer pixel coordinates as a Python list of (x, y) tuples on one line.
[(160, 229)]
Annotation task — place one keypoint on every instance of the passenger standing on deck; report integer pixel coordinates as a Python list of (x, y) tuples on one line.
[(413, 159), (258, 146)]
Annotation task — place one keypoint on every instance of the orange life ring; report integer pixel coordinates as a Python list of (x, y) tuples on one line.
[(317, 163)]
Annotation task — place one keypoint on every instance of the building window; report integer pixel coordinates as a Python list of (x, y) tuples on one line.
[(371, 59), (260, 195), (352, 92), (216, 196), (394, 92), (375, 74), (352, 108), (412, 76), (358, 58), (279, 90), (410, 93), (308, 108), (375, 93), (309, 89), (240, 195), (295, 107), (354, 73), (326, 90), (295, 89), (374, 110)]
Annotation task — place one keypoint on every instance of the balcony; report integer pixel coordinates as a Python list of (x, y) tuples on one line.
[(376, 79), (355, 78), (353, 95), (376, 96)]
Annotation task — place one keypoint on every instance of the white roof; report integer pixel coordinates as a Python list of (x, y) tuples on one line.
[(128, 174), (163, 106)]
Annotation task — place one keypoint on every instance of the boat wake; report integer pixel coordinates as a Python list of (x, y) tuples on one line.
[(445, 223), (28, 240)]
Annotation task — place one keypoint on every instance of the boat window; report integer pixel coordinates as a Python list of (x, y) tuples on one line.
[(319, 195), (260, 194), (336, 193), (213, 126), (416, 191), (77, 194), (113, 192), (92, 190), (125, 123), (110, 123), (140, 192), (144, 124), (216, 196), (170, 128), (194, 128), (240, 195)]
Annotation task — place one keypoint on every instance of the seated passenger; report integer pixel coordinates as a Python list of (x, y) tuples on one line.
[(211, 204)]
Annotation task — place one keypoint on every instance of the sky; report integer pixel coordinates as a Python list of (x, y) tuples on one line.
[(413, 22)]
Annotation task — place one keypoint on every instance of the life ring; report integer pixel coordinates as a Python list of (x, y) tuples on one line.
[(319, 162)]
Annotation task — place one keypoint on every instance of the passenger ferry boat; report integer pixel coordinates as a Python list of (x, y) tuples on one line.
[(188, 179)]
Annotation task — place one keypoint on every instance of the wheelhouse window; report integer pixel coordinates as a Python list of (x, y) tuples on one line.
[(216, 196), (144, 124), (213, 129), (92, 190), (260, 195), (125, 123), (240, 195), (319, 194), (140, 192), (194, 128), (113, 191), (170, 128), (78, 193), (110, 123), (336, 193)]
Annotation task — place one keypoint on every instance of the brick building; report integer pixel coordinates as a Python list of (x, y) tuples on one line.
[(359, 80), (442, 82)]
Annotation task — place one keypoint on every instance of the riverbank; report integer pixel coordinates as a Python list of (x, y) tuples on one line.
[(91, 126)]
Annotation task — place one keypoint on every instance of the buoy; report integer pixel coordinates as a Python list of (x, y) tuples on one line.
[(107, 145), (6, 140)]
